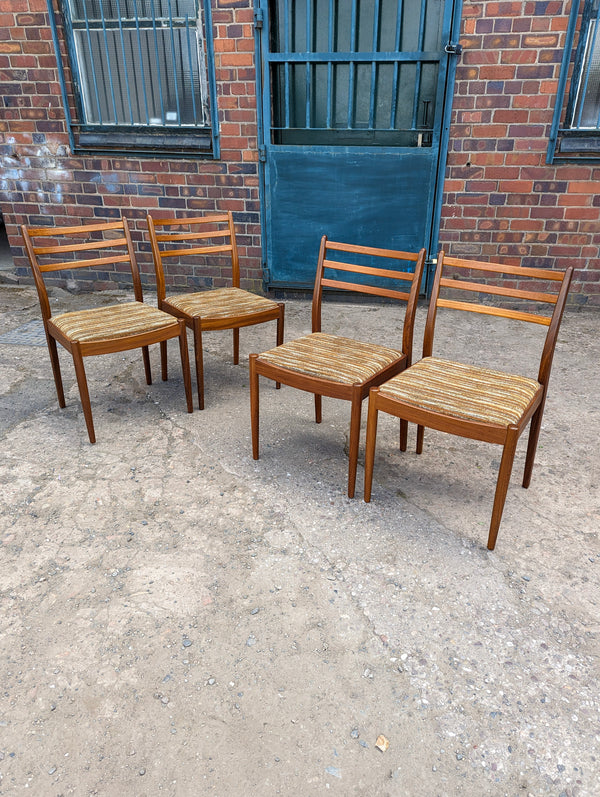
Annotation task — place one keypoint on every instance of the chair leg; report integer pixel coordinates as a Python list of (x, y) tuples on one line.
[(280, 323), (164, 373), (403, 434), (198, 356), (354, 440), (420, 435), (83, 391), (318, 408), (55, 363), (147, 369), (370, 443), (185, 366), (254, 405), (506, 463), (534, 433), (236, 346)]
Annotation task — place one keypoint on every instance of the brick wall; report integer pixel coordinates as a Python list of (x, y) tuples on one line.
[(501, 199), (41, 183)]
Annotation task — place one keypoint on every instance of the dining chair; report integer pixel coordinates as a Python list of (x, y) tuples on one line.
[(212, 236), (97, 330), (341, 367), (469, 400)]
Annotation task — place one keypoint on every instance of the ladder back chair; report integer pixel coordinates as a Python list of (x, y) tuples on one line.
[(212, 309), (340, 367), (468, 400), (98, 330)]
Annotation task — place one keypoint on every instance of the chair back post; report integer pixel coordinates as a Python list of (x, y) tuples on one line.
[(235, 263), (37, 275), (157, 258), (135, 271), (318, 289), (552, 334), (411, 307), (432, 309)]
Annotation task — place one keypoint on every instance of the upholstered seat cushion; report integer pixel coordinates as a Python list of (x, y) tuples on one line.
[(331, 357), (114, 321), (463, 391), (221, 303)]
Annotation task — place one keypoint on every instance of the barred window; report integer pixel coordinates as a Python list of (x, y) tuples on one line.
[(142, 74), (576, 125)]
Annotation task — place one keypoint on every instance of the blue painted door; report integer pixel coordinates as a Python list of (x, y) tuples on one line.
[(353, 125)]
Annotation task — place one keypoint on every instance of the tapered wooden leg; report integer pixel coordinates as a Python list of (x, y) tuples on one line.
[(534, 433), (280, 323), (403, 434), (55, 363), (354, 440), (370, 443), (198, 356), (147, 369), (83, 391), (318, 408), (420, 435), (254, 405), (185, 366), (236, 346), (506, 463), (164, 373)]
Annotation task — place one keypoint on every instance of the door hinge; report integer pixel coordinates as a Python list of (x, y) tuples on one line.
[(259, 18), (262, 154), (453, 49)]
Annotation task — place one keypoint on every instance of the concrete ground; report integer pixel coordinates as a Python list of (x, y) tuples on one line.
[(179, 619)]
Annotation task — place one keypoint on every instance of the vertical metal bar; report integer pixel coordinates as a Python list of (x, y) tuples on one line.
[(590, 46), (142, 70), (156, 55), (417, 92), (329, 122), (308, 66), (110, 79), (286, 68), (174, 64), (61, 74), (352, 66), (214, 117), (125, 69), (395, 81), (189, 49), (92, 64), (376, 29)]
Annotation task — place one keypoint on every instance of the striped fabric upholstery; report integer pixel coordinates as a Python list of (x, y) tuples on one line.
[(221, 303), (463, 391), (116, 321), (331, 357)]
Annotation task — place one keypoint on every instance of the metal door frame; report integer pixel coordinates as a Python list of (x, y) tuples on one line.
[(448, 72)]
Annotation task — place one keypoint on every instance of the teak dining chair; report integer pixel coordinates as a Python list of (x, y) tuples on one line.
[(217, 308), (99, 330), (344, 368), (471, 401)]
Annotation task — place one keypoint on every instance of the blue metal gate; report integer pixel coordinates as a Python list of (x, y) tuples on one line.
[(353, 124)]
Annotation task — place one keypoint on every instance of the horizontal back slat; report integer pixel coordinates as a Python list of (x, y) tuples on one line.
[(499, 268), (498, 290), (192, 236), (105, 244), (376, 272), (215, 217), (85, 228), (497, 311), (197, 250), (91, 262), (359, 288), (372, 250)]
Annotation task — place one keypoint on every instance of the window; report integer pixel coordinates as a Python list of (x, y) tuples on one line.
[(142, 73), (576, 126)]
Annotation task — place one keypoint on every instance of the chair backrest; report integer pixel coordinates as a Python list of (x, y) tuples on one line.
[(531, 287), (93, 246), (190, 236), (363, 272)]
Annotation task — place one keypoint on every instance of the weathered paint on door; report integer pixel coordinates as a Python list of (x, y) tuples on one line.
[(353, 119)]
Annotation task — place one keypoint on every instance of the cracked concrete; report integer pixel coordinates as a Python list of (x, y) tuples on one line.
[(180, 619)]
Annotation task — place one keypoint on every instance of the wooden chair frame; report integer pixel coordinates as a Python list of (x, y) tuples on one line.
[(114, 247), (505, 435), (265, 310), (356, 392)]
